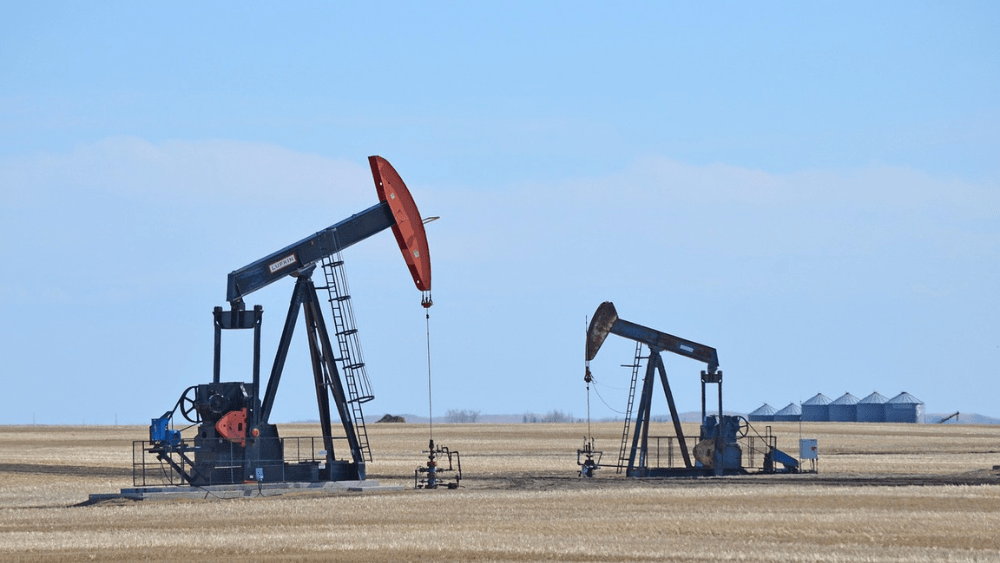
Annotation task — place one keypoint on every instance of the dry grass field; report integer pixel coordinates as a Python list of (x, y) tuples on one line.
[(884, 493)]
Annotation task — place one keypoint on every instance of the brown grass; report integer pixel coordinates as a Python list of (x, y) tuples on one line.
[(521, 501)]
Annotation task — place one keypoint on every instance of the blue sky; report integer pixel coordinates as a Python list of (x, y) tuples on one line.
[(811, 188)]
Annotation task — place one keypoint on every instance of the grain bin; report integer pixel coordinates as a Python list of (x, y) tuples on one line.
[(904, 408), (844, 408), (765, 413), (871, 408), (791, 413), (817, 408)]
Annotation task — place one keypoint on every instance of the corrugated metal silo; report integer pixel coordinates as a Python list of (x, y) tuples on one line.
[(817, 408), (791, 413), (904, 408), (844, 408), (765, 413), (871, 408)]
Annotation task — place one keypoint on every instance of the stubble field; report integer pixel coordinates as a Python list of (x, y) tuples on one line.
[(884, 493)]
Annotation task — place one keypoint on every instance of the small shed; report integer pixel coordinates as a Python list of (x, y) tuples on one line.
[(791, 413), (904, 408), (844, 408), (871, 408), (817, 409), (765, 413)]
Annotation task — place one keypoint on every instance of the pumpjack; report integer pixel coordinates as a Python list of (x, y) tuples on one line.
[(236, 442), (717, 450)]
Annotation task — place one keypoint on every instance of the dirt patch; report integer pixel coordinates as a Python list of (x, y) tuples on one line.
[(69, 470), (610, 480)]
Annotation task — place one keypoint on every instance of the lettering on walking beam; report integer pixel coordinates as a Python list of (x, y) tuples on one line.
[(283, 263)]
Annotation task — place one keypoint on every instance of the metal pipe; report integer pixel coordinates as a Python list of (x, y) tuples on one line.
[(720, 445), (258, 313), (217, 367)]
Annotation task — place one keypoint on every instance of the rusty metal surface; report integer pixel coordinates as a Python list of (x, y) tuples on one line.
[(704, 452), (409, 227), (604, 318)]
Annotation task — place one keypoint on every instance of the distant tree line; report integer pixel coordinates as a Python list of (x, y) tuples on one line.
[(463, 416), (554, 415)]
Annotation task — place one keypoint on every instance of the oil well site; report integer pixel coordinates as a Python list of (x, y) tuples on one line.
[(886, 492), (213, 477)]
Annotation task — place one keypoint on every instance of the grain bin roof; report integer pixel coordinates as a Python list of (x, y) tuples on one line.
[(874, 399), (819, 399), (845, 399), (791, 409), (763, 410), (905, 398)]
